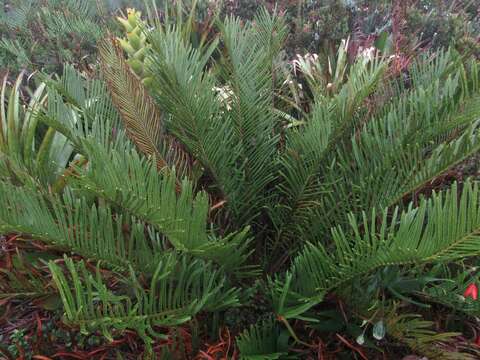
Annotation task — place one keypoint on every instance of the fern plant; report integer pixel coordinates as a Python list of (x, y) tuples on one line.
[(187, 197)]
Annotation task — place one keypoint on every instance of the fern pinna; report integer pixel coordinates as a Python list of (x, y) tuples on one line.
[(206, 179)]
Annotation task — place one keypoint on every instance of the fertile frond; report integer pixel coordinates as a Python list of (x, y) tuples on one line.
[(141, 117), (442, 228)]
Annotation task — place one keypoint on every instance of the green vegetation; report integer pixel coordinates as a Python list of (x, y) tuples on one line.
[(199, 193)]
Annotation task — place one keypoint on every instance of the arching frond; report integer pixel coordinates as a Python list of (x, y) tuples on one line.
[(405, 146), (178, 289), (141, 117), (247, 71), (128, 181), (184, 90), (421, 337), (80, 108), (310, 149), (73, 224), (440, 229)]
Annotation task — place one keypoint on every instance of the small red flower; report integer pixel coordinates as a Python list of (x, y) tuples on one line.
[(471, 291), (477, 340)]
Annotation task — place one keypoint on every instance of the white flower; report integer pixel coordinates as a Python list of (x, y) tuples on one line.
[(224, 94), (368, 53)]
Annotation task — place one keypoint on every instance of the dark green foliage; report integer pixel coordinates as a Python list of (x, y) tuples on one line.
[(45, 34), (205, 194), (263, 341), (445, 23)]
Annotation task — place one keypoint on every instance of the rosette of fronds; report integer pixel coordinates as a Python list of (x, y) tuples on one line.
[(194, 188)]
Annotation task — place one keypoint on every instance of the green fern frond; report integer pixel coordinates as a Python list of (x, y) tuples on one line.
[(418, 139), (71, 18), (450, 291), (72, 224), (178, 289), (81, 108), (311, 149), (264, 340), (184, 90), (419, 335), (246, 68), (126, 180), (440, 229)]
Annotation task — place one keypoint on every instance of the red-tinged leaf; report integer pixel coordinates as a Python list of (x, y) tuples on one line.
[(63, 355), (4, 301), (471, 291), (39, 327), (91, 354)]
